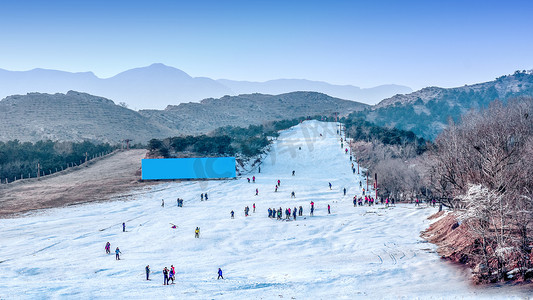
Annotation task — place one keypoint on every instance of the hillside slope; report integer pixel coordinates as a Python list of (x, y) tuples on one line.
[(426, 112), (102, 179)]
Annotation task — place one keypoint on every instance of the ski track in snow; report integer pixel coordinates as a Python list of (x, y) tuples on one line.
[(356, 252)]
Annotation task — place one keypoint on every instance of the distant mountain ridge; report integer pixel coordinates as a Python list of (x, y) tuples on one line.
[(76, 116), (158, 85)]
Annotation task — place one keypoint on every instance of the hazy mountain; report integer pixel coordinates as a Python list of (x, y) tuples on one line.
[(76, 116), (426, 112), (157, 85)]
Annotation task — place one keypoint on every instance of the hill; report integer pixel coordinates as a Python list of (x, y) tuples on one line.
[(73, 116), (158, 85), (244, 110), (426, 112)]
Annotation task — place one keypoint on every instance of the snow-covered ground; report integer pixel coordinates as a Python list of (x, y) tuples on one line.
[(355, 252)]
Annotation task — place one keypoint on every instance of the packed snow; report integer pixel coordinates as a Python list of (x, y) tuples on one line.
[(354, 252)]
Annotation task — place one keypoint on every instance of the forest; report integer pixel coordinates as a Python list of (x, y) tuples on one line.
[(223, 141), (22, 160)]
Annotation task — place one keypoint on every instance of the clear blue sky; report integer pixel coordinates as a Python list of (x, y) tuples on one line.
[(363, 43)]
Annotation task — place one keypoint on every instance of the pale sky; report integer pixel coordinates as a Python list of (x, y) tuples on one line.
[(362, 43)]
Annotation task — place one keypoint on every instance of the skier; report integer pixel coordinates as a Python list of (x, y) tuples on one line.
[(117, 254), (293, 195), (354, 201), (293, 172), (165, 276), (269, 212), (351, 159), (171, 274), (206, 197), (202, 197), (329, 209), (360, 183), (344, 191), (254, 207), (147, 272), (197, 232), (279, 183), (253, 179), (346, 151), (300, 211), (276, 189), (256, 192), (259, 169), (248, 179), (294, 214), (330, 185), (246, 211), (220, 274), (232, 214), (162, 203), (353, 170), (123, 227), (417, 203), (108, 248)]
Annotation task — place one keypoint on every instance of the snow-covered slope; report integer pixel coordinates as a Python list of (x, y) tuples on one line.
[(354, 252)]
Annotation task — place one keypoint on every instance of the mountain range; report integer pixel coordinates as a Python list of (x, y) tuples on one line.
[(77, 116), (158, 85)]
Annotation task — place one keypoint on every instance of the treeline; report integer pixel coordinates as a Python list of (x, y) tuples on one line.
[(359, 129), (21, 160), (483, 167), (391, 153), (223, 141)]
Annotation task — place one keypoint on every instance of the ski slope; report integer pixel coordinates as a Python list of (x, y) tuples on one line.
[(355, 252)]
